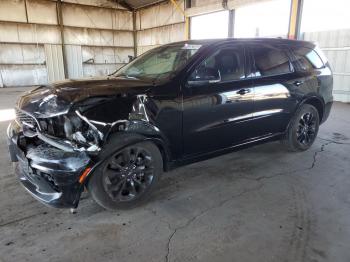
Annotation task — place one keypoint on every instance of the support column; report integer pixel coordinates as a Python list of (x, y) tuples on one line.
[(231, 23), (295, 19), (187, 20), (60, 23), (134, 32)]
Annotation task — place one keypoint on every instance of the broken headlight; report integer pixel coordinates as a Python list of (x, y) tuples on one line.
[(81, 130), (75, 128)]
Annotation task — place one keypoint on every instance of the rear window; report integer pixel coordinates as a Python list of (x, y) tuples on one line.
[(270, 61), (321, 55), (307, 59)]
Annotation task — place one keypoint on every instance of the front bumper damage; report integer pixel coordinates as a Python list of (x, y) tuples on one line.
[(49, 174)]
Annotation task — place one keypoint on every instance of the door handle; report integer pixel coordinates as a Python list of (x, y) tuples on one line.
[(243, 91), (298, 83)]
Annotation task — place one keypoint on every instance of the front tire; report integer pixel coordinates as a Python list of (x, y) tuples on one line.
[(127, 177), (303, 129)]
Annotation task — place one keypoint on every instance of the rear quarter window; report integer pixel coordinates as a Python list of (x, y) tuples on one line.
[(307, 59)]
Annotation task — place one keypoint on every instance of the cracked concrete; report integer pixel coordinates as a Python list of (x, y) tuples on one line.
[(218, 205), (260, 204)]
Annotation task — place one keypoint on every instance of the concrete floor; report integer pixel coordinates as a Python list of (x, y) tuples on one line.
[(260, 204)]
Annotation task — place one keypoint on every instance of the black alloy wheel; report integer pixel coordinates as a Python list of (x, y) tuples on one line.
[(303, 128), (128, 173), (126, 177), (306, 129)]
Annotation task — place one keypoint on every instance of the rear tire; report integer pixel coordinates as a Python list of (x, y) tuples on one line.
[(303, 129), (126, 177)]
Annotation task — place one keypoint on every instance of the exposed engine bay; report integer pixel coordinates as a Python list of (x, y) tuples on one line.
[(82, 128)]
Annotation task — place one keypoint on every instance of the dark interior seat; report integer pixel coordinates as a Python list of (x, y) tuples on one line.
[(228, 63)]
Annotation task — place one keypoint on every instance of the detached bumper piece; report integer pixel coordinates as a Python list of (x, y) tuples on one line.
[(49, 174)]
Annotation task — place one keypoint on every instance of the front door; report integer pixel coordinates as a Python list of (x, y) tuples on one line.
[(218, 102)]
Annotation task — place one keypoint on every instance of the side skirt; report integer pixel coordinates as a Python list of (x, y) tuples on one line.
[(207, 155)]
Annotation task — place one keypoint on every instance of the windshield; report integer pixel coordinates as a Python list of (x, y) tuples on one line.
[(159, 63)]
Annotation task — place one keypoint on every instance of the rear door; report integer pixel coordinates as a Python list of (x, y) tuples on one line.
[(217, 113), (273, 77)]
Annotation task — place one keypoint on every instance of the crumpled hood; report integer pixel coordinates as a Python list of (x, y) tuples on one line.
[(57, 98)]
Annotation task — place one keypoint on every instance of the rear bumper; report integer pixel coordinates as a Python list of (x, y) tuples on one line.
[(49, 174)]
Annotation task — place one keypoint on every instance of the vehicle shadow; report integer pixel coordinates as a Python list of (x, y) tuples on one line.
[(251, 163)]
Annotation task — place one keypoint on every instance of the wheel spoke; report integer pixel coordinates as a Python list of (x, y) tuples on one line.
[(126, 156), (311, 130), (307, 138), (122, 188), (107, 180), (134, 155), (114, 164), (306, 117), (111, 174), (311, 120), (117, 186)]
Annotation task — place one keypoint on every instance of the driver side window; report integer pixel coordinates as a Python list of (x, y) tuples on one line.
[(224, 65)]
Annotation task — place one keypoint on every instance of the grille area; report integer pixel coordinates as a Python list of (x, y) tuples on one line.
[(24, 119)]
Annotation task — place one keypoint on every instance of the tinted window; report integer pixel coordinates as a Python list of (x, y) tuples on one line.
[(306, 59), (270, 61), (229, 63)]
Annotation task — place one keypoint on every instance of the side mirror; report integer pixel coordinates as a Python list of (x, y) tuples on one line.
[(204, 75), (131, 58)]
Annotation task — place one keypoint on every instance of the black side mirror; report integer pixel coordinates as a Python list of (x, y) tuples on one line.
[(204, 75), (131, 58)]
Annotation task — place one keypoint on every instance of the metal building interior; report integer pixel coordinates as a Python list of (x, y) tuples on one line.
[(259, 204)]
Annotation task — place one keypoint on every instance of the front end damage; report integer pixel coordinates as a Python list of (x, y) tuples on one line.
[(50, 165), (50, 174), (54, 152)]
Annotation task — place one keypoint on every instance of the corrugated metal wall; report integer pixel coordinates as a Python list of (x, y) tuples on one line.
[(75, 64), (336, 46), (98, 38), (158, 25), (54, 62)]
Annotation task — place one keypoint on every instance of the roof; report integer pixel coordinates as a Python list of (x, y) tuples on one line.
[(249, 40)]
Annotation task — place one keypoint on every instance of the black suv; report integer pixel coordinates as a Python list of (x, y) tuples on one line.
[(176, 104)]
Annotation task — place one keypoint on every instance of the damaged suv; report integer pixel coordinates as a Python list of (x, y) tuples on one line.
[(176, 104)]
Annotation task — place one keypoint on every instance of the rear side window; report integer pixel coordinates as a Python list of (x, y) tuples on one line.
[(227, 62), (307, 59), (270, 61)]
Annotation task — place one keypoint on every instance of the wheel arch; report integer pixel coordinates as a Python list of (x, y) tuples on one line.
[(317, 102), (313, 100), (137, 138)]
